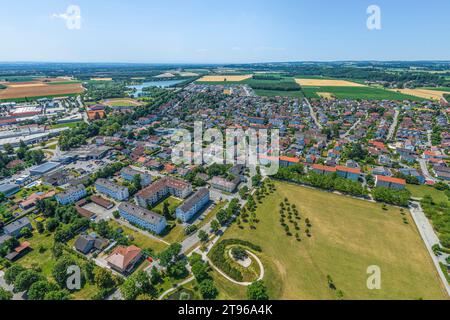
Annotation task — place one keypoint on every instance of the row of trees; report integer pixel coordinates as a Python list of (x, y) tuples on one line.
[(392, 196)]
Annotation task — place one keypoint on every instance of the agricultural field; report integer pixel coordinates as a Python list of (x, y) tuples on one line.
[(347, 236), (357, 92), (40, 88), (327, 83), (225, 78), (423, 93)]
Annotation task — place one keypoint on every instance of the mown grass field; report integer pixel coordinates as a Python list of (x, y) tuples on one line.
[(422, 190), (348, 236)]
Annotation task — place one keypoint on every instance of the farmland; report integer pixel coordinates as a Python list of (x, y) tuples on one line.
[(225, 78), (30, 89), (347, 236), (327, 83), (423, 93), (357, 92)]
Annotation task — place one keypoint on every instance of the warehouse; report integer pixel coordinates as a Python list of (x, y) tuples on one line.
[(44, 168)]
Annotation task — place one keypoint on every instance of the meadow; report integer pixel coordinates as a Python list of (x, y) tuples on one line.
[(347, 236)]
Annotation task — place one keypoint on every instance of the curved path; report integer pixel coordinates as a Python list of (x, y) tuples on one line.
[(245, 284), (165, 293)]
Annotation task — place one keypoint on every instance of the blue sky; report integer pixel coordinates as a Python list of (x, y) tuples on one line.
[(215, 31)]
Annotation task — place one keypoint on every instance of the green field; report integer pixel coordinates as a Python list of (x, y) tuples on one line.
[(348, 236), (39, 97), (422, 190), (66, 125), (366, 93), (55, 83), (140, 240)]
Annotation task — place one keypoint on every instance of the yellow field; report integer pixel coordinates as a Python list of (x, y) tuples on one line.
[(325, 95), (27, 85), (327, 83), (225, 78), (423, 93), (101, 79)]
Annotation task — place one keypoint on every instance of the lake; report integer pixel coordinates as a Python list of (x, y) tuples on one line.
[(159, 84)]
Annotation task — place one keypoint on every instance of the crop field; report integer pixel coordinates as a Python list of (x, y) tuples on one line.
[(347, 236), (362, 92), (327, 83), (225, 78), (31, 89), (423, 93), (325, 95)]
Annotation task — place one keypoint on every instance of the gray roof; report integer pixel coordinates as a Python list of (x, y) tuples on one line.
[(192, 201), (141, 213), (5, 188), (110, 185), (46, 167), (71, 190), (17, 225)]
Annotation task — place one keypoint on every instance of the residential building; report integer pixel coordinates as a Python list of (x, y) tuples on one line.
[(112, 189), (389, 182), (14, 228), (162, 188), (348, 173), (142, 217), (224, 184), (128, 174), (123, 259), (194, 204), (71, 195)]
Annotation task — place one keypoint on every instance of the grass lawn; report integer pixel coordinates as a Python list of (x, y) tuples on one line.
[(422, 190), (44, 259), (348, 236), (66, 125), (279, 93), (140, 240), (173, 205)]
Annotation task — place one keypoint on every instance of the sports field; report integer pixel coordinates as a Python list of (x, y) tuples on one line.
[(347, 236), (125, 102)]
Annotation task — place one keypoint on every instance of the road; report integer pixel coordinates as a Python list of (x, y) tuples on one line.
[(424, 168), (350, 130), (393, 125), (313, 114), (429, 238)]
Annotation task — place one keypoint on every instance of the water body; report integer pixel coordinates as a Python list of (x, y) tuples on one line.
[(159, 84)]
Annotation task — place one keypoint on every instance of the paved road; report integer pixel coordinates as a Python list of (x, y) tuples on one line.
[(429, 237), (350, 130), (313, 114), (393, 125), (424, 168)]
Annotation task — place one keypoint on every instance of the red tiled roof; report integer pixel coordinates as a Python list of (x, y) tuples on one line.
[(323, 168), (347, 169), (391, 180)]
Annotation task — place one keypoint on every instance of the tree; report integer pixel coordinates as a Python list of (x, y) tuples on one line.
[(208, 290), (155, 276), (200, 270), (103, 278), (59, 271), (25, 279), (170, 255), (166, 211), (12, 273), (26, 233), (51, 224), (5, 295), (58, 295), (40, 227), (203, 236), (215, 226), (238, 253), (222, 217), (257, 291), (39, 289)]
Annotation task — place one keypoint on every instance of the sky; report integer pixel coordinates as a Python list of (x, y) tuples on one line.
[(219, 31)]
